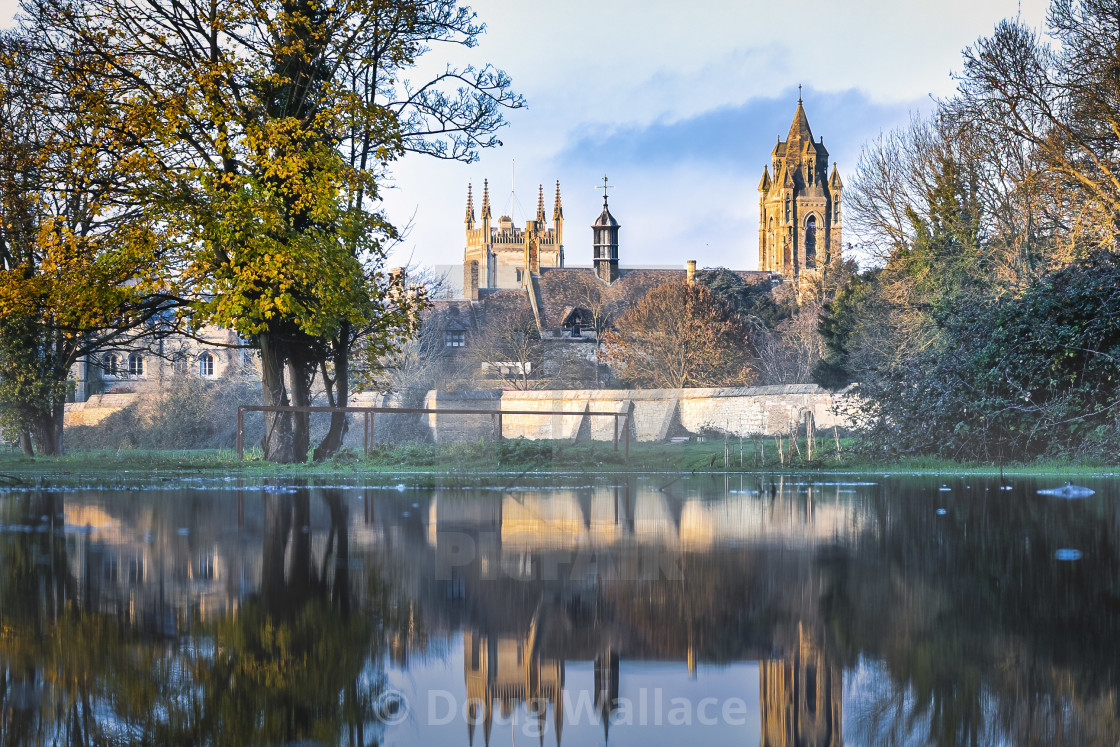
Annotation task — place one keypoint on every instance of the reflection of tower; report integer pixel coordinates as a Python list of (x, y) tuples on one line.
[(510, 670), (606, 686), (801, 697)]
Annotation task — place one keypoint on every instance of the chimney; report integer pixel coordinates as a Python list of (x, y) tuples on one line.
[(690, 270)]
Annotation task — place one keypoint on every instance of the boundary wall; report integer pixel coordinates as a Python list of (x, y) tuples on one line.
[(656, 414)]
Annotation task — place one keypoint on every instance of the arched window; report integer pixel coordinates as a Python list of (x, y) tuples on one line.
[(111, 364), (206, 365), (179, 363), (811, 241), (135, 364)]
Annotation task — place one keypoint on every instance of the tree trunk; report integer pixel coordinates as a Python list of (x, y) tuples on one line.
[(300, 376), (25, 443), (277, 442), (46, 431), (338, 395)]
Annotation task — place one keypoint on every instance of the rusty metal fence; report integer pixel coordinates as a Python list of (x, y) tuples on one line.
[(369, 413)]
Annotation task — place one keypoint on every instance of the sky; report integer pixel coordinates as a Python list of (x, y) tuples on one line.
[(679, 105)]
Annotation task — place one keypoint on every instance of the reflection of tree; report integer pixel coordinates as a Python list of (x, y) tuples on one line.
[(38, 678), (982, 635), (293, 664), (289, 666)]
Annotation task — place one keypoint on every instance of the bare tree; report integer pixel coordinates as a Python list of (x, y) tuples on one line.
[(679, 335), (509, 348)]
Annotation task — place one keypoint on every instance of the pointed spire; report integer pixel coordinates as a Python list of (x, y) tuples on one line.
[(485, 199), (470, 206), (834, 179), (557, 209), (540, 204), (799, 129), (764, 185)]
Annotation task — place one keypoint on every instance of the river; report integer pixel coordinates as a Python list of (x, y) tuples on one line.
[(643, 610)]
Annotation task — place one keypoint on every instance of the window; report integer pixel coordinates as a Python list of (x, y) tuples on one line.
[(454, 339), (135, 364), (519, 275), (111, 364), (179, 363), (811, 241), (206, 365)]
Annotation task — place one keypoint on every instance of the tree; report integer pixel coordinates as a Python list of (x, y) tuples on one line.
[(269, 126), (1059, 100), (751, 301), (679, 335), (508, 347), (82, 261)]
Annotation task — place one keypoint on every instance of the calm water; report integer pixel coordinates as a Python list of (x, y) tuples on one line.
[(631, 612)]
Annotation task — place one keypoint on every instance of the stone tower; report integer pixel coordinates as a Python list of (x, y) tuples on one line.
[(799, 207), (504, 256), (605, 237)]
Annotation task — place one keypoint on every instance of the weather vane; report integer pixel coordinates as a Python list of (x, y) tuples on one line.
[(605, 187)]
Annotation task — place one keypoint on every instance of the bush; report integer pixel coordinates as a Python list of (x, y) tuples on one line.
[(188, 413)]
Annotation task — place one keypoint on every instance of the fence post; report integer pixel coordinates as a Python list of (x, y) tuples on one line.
[(615, 438), (365, 433), (240, 432), (499, 426)]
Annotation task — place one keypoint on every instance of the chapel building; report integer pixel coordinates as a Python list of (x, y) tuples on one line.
[(502, 255), (799, 207)]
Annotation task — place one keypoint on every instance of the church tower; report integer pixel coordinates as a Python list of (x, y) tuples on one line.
[(799, 205), (498, 254), (605, 237)]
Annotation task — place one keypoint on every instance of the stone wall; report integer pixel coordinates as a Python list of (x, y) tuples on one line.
[(449, 428), (96, 408), (656, 414)]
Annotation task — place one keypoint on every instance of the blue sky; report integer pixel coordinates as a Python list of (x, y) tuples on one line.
[(680, 105)]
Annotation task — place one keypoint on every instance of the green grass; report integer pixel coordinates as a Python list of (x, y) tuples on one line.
[(518, 456)]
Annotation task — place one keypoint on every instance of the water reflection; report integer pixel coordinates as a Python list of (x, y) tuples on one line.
[(746, 610)]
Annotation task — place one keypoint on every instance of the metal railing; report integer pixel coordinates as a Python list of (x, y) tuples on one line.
[(369, 413)]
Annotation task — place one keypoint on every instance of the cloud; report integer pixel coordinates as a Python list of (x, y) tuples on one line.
[(684, 189), (738, 137)]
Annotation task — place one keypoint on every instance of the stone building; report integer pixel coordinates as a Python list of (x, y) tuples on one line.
[(508, 272), (503, 255), (212, 354), (799, 207)]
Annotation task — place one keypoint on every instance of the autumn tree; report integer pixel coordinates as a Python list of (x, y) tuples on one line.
[(270, 126), (82, 260), (679, 335)]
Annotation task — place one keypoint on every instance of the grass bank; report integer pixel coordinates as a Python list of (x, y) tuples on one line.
[(531, 457)]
